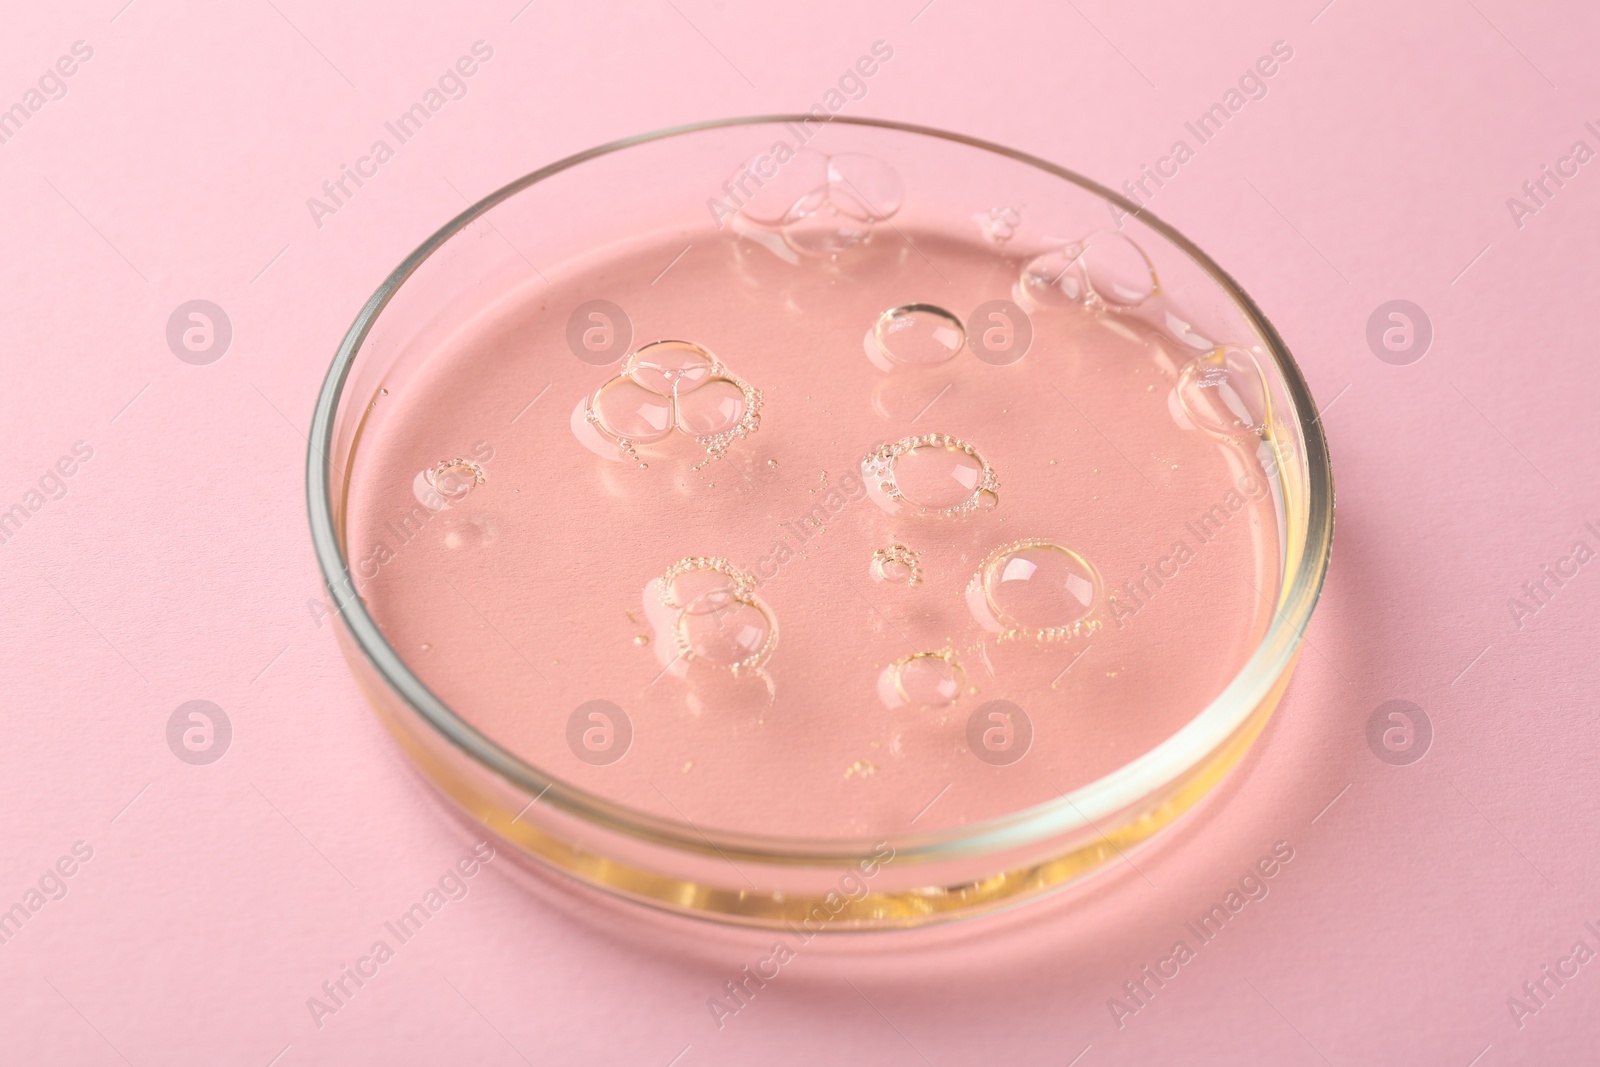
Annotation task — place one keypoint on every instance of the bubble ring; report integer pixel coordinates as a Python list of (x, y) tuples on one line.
[(744, 586), (898, 555), (1010, 628), (879, 467)]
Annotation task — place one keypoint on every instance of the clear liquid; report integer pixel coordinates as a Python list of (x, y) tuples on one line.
[(1099, 547)]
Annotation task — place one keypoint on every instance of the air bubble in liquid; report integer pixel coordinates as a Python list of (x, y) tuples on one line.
[(1105, 268), (1116, 269), (713, 409), (917, 335), (1039, 590), (898, 564), (933, 474), (670, 368), (665, 387), (928, 680), (627, 410), (864, 187), (453, 479), (710, 608), (1223, 393)]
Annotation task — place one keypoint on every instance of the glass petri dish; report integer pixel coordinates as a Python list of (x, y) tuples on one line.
[(840, 524)]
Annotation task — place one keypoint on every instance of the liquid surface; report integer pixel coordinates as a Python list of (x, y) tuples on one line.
[(804, 537)]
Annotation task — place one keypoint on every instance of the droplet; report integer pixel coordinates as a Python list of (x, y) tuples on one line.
[(641, 640), (427, 646), (929, 680), (1035, 589), (1223, 392), (898, 564), (453, 479), (934, 474), (919, 335)]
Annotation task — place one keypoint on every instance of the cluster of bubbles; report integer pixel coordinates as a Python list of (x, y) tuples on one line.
[(663, 389), (710, 609), (818, 205), (931, 474), (1220, 390)]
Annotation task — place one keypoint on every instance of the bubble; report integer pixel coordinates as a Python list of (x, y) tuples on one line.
[(771, 203), (1039, 590), (821, 206), (733, 634), (928, 680), (918, 335), (864, 187), (898, 564), (666, 387), (1223, 393), (1054, 280), (453, 479), (716, 618), (715, 408), (671, 368), (1105, 268), (628, 411), (819, 229), (1116, 270), (934, 474)]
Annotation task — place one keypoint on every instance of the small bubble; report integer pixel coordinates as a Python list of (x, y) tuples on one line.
[(772, 463), (688, 765), (1223, 393), (641, 640), (1035, 589), (453, 479), (898, 564), (427, 646), (384, 391), (861, 768), (918, 335)]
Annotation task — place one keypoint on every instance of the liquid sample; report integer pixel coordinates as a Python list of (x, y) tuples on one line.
[(1095, 533)]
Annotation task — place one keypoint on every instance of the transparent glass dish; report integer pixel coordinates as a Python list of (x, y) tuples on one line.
[(843, 524)]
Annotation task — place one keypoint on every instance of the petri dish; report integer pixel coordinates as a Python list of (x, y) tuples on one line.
[(840, 524)]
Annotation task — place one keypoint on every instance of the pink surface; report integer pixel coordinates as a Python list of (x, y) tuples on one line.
[(216, 899)]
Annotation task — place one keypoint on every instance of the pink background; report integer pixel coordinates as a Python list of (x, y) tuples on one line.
[(177, 567)]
